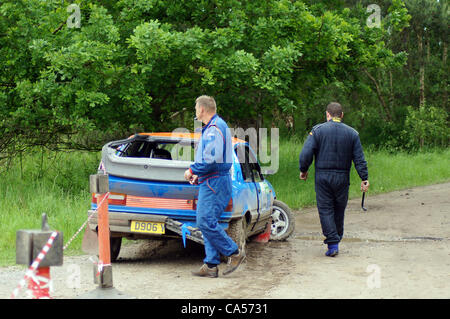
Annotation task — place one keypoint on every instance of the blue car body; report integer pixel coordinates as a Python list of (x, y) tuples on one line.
[(173, 201)]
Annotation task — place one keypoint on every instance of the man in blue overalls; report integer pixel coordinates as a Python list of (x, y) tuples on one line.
[(211, 170), (334, 146)]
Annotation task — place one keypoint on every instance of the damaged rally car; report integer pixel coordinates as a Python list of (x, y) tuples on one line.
[(149, 197)]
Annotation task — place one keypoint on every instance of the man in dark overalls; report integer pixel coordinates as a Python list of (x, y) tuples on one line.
[(213, 160), (334, 146)]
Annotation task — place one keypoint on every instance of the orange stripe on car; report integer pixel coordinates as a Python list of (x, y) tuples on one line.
[(164, 203), (167, 203)]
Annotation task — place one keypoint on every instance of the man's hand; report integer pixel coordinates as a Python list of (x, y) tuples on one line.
[(303, 176), (188, 175), (194, 180), (364, 186)]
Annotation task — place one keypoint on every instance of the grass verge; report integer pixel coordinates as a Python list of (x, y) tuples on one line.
[(58, 184), (387, 172), (53, 183)]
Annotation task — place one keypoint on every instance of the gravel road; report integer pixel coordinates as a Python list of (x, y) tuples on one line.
[(399, 248)]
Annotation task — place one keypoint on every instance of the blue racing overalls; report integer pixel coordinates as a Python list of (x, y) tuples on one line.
[(334, 146), (213, 160)]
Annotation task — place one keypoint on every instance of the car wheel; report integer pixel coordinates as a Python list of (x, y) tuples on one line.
[(115, 244), (283, 222), (237, 231)]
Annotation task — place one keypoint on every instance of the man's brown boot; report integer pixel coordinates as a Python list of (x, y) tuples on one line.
[(234, 261), (205, 271)]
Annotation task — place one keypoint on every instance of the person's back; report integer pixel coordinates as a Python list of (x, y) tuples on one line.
[(334, 146)]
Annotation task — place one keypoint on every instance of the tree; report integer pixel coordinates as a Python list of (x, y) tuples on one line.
[(139, 65)]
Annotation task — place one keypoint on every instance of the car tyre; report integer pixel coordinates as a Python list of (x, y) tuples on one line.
[(115, 245), (237, 231), (283, 222)]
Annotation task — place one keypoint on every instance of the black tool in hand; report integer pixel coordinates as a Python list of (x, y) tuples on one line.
[(362, 202)]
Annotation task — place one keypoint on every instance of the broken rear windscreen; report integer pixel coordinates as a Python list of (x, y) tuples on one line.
[(145, 146)]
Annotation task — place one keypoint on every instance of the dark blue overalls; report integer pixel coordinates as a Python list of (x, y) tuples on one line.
[(213, 160), (334, 146)]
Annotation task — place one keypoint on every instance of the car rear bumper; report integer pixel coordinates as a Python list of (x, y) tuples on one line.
[(120, 225), (121, 222)]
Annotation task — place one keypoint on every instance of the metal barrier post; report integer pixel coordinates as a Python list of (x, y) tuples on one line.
[(38, 249), (104, 268), (99, 184)]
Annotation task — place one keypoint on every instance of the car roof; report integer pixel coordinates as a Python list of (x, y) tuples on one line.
[(179, 135)]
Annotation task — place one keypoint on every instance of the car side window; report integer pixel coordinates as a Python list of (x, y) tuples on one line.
[(255, 168), (243, 157), (251, 170)]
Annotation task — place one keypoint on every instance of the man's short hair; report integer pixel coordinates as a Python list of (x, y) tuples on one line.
[(335, 109), (207, 102)]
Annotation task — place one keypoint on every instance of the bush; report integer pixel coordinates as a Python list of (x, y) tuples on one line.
[(426, 127)]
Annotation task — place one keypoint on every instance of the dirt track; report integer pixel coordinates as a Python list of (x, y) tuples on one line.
[(399, 248)]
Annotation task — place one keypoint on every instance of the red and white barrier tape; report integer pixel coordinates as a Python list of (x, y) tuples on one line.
[(30, 271), (40, 286), (99, 264), (84, 224)]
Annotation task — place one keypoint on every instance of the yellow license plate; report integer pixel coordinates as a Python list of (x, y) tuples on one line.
[(147, 227)]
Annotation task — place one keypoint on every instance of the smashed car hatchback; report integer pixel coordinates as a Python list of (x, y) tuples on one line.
[(149, 197)]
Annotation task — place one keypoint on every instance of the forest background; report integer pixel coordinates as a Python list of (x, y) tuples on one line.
[(75, 74)]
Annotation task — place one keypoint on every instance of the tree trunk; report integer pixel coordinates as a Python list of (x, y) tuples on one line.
[(421, 69), (388, 116), (391, 94), (444, 82)]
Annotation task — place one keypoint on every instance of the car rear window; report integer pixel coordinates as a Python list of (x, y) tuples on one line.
[(179, 150)]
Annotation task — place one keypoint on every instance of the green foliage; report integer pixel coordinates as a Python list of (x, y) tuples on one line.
[(427, 127), (55, 183), (140, 64)]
